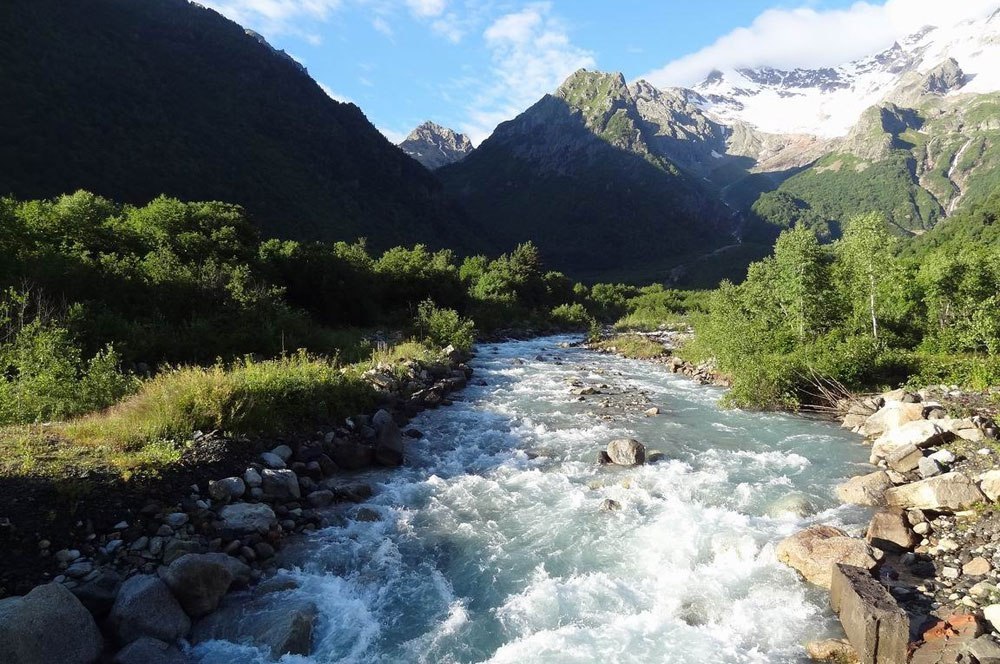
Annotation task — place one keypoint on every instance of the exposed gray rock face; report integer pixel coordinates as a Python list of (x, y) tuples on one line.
[(146, 607), (47, 625), (944, 78), (435, 146)]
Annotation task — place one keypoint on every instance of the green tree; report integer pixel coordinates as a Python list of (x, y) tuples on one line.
[(802, 280), (867, 259)]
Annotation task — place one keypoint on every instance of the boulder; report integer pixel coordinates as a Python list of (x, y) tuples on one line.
[(280, 484), (321, 498), (890, 531), (919, 433), (904, 458), (381, 419), (813, 552), (47, 625), (389, 444), (351, 455), (865, 489), (992, 615), (978, 566), (874, 623), (891, 416), (834, 651), (150, 651), (985, 649), (252, 478), (98, 594), (626, 452), (272, 460), (928, 467), (285, 628), (146, 607), (794, 504), (199, 580), (283, 452), (231, 488), (989, 483), (945, 493)]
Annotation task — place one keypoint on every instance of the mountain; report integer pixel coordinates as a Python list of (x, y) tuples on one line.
[(435, 146), (135, 99), (581, 174)]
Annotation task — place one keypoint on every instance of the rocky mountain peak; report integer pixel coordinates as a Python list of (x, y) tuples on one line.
[(435, 146), (944, 78)]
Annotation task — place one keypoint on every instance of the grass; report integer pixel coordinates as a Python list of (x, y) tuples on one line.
[(150, 429), (632, 346)]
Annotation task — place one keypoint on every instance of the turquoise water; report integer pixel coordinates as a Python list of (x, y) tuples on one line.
[(494, 547)]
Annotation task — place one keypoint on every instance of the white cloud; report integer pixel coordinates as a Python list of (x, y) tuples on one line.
[(274, 15), (427, 8), (805, 37), (531, 54), (381, 25), (395, 137)]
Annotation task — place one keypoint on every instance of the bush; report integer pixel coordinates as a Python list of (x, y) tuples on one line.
[(443, 327), (571, 317)]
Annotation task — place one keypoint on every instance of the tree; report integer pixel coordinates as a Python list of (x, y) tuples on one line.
[(866, 258), (802, 280)]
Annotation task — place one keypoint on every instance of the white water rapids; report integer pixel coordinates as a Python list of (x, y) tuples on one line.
[(494, 548)]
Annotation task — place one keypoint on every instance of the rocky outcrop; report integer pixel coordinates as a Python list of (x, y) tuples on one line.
[(813, 552), (48, 625), (876, 626), (435, 146)]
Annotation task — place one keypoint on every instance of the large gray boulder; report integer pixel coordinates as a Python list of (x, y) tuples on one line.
[(352, 455), (284, 628), (99, 593), (48, 625), (150, 651), (627, 452), (146, 607), (281, 484), (230, 488), (890, 531), (865, 489), (919, 433), (199, 580), (874, 623), (247, 517), (813, 552), (945, 493), (388, 444)]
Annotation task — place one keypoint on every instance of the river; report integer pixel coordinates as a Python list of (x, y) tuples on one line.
[(494, 547)]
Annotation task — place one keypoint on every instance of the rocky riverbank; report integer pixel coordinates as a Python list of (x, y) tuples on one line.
[(921, 586), (666, 343), (129, 593)]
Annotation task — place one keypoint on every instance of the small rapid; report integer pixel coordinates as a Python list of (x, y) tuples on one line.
[(494, 544)]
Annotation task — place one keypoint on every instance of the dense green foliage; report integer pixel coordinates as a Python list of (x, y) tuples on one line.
[(98, 292), (858, 312), (134, 99)]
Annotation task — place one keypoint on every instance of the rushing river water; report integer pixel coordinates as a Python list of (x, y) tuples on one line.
[(494, 548)]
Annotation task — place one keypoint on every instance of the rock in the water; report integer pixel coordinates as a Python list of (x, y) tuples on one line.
[(610, 505), (626, 452), (321, 498), (48, 625), (945, 493), (150, 651), (892, 416), (603, 458), (231, 488), (247, 517), (865, 489), (890, 531), (284, 628), (199, 580), (794, 504), (833, 651), (146, 607), (874, 623), (389, 444), (813, 551), (350, 455), (281, 484)]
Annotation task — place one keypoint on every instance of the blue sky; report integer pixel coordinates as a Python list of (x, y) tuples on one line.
[(469, 64)]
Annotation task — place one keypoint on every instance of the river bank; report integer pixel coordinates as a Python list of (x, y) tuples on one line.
[(216, 520)]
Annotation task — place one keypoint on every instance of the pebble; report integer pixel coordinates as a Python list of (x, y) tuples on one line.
[(121, 525)]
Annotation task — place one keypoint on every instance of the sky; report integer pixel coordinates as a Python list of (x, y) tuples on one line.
[(471, 64)]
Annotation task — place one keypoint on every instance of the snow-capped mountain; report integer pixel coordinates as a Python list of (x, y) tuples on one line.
[(828, 102)]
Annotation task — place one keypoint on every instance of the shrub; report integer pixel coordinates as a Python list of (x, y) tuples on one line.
[(443, 327), (571, 317)]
